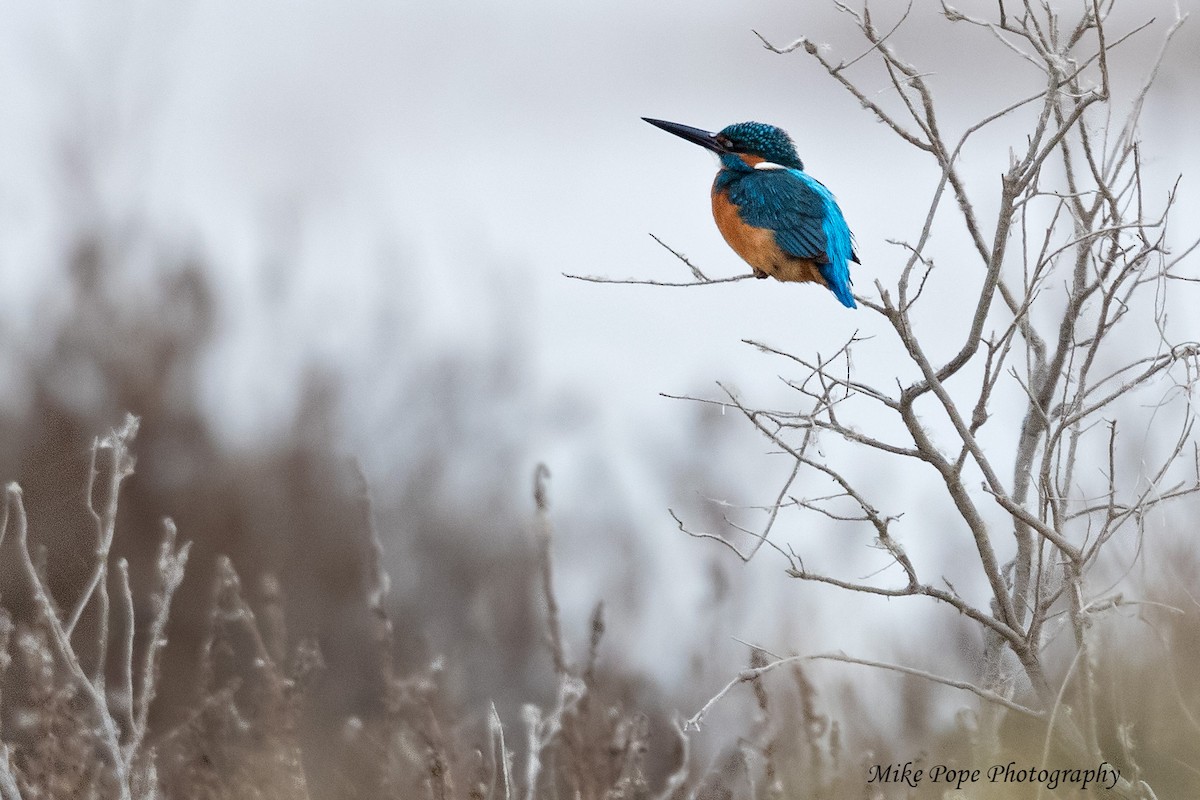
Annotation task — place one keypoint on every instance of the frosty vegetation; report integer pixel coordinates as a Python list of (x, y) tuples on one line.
[(136, 663)]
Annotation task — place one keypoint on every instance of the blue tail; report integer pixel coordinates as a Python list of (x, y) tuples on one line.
[(837, 278), (839, 249)]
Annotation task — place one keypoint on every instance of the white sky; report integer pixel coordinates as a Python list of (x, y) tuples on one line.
[(445, 162)]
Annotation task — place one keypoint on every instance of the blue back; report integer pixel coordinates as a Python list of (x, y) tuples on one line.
[(803, 214)]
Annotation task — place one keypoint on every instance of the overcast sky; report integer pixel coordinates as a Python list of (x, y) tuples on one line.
[(446, 162)]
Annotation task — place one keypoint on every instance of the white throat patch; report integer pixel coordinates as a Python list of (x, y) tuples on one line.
[(768, 165)]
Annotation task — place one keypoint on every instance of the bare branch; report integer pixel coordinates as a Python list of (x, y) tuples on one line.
[(641, 282), (108, 737), (118, 444), (985, 694), (170, 570)]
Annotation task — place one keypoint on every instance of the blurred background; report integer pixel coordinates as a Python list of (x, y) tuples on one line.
[(310, 240)]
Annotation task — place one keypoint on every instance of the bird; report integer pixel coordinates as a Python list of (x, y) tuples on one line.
[(782, 221)]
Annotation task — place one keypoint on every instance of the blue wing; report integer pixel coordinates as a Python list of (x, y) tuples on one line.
[(806, 220)]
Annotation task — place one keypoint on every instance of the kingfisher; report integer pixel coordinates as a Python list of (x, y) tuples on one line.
[(782, 221)]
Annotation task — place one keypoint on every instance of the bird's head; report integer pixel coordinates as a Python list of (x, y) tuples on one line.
[(742, 145)]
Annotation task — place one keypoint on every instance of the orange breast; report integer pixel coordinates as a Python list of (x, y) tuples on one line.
[(757, 246)]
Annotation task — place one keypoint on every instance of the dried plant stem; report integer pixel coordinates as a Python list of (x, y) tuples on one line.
[(60, 645), (545, 541)]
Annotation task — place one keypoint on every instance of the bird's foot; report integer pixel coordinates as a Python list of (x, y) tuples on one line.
[(758, 273)]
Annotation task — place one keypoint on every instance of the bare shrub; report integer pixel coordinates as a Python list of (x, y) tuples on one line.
[(1066, 287)]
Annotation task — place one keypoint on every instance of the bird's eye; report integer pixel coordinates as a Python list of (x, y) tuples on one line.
[(725, 142)]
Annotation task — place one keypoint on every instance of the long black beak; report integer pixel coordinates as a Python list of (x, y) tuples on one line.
[(694, 135)]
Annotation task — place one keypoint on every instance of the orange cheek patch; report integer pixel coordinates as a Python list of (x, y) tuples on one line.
[(750, 160)]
